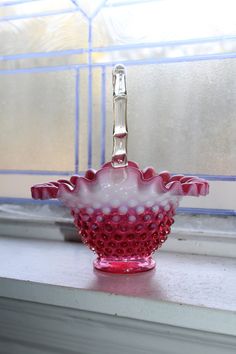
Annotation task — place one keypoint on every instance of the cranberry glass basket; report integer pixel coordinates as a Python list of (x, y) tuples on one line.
[(123, 213)]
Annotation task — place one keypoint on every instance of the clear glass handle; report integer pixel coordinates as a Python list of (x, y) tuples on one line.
[(120, 129)]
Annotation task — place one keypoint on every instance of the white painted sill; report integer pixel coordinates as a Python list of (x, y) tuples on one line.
[(187, 291)]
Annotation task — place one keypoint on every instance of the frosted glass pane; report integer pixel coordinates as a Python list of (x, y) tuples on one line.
[(61, 32), (109, 113), (30, 7), (64, 60), (164, 20), (37, 121), (181, 117), (96, 127), (160, 53), (83, 121), (96, 134)]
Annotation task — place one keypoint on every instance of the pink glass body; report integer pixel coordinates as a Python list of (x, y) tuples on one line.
[(123, 215)]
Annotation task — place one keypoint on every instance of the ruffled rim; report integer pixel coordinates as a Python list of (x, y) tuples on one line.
[(177, 184)]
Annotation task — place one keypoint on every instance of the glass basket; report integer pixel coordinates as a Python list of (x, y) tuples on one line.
[(124, 214)]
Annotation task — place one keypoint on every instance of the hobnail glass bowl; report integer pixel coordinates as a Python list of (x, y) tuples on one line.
[(123, 214)]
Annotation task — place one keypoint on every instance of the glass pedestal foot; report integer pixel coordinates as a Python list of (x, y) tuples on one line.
[(124, 266)]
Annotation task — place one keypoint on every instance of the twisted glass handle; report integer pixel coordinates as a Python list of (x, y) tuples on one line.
[(120, 129)]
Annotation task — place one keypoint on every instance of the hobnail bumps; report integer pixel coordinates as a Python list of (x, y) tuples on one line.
[(135, 234)]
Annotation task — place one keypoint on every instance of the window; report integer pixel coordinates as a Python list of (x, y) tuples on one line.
[(55, 90)]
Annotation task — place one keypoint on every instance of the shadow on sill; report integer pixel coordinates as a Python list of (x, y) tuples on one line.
[(68, 230)]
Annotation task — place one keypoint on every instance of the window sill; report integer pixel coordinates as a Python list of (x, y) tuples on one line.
[(186, 291)]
